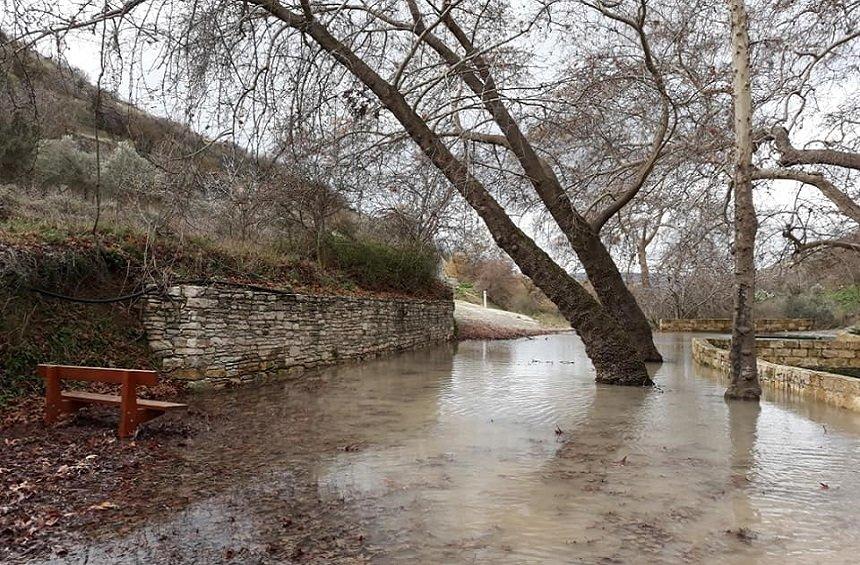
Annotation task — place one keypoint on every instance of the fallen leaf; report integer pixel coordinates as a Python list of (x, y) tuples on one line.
[(51, 521), (106, 505)]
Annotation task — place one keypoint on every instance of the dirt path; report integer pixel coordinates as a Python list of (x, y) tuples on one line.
[(477, 322)]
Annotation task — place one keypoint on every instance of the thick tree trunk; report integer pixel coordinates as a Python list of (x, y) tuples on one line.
[(583, 237), (616, 296), (608, 346), (744, 374), (601, 269)]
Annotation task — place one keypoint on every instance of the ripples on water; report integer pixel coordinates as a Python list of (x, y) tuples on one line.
[(461, 462)]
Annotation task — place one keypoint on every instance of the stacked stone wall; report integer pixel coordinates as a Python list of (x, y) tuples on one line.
[(837, 390), (819, 354), (222, 334), (724, 325)]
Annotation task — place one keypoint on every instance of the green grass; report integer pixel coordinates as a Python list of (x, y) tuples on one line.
[(467, 292), (378, 266), (847, 297)]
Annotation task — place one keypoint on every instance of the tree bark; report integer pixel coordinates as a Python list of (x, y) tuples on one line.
[(608, 346), (744, 373), (615, 295)]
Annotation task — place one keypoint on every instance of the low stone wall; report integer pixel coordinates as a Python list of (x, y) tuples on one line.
[(724, 325), (222, 334), (833, 389), (821, 354)]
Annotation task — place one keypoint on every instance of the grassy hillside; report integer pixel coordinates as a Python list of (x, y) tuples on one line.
[(46, 99)]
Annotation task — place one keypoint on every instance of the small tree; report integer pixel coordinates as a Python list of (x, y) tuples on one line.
[(61, 163), (126, 172), (19, 138)]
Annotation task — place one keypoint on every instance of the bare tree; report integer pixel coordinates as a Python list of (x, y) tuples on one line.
[(744, 373), (810, 136), (414, 205), (412, 61)]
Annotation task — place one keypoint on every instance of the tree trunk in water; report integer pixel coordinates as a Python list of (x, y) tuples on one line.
[(744, 374), (607, 344), (583, 237), (616, 296)]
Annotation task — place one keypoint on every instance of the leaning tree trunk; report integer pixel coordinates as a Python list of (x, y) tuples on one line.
[(744, 374), (583, 237), (607, 344), (585, 240), (615, 295)]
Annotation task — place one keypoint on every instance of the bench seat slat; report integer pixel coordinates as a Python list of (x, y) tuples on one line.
[(111, 399)]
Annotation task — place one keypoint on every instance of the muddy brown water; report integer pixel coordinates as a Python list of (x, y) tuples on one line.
[(451, 455)]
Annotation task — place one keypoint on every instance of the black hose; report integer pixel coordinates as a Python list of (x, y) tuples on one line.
[(89, 300), (140, 293)]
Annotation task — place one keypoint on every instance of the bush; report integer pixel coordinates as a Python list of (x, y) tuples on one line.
[(19, 138), (125, 171), (60, 162), (812, 306), (848, 298), (377, 266)]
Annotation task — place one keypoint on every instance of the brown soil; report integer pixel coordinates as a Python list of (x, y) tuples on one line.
[(70, 485)]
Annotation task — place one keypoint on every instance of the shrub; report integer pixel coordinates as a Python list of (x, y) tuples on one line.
[(125, 171), (19, 138), (813, 306), (60, 162), (848, 297), (377, 266)]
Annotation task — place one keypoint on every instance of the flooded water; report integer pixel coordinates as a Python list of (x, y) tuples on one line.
[(507, 452)]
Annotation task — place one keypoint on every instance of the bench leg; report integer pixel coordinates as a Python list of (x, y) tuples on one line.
[(53, 400), (128, 413)]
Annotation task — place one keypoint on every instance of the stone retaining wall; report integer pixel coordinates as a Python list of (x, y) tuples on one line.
[(833, 389), (222, 334), (819, 354), (724, 325)]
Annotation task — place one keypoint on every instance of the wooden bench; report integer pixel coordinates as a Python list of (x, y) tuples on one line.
[(133, 410)]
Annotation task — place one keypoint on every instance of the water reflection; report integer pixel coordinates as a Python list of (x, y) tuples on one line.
[(743, 424)]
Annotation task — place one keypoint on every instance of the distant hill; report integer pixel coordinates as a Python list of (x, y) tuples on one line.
[(49, 99)]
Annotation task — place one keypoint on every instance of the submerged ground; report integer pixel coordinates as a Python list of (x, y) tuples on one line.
[(491, 452)]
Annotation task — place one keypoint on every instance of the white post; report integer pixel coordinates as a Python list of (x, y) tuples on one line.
[(485, 299)]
